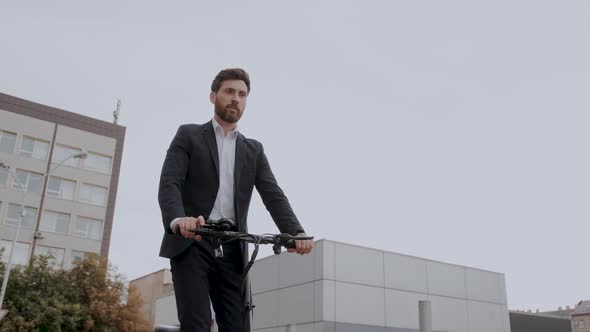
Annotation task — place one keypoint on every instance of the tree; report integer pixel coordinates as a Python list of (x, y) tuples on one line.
[(90, 297)]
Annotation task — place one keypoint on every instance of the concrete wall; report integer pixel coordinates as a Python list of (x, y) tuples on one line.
[(528, 322), (151, 288), (165, 311), (341, 286)]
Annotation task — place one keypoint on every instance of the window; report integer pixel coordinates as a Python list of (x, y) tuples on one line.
[(56, 254), (98, 163), (55, 222), (7, 141), (88, 228), (63, 152), (76, 256), (21, 254), (60, 188), (31, 182), (13, 216), (3, 176), (34, 148), (93, 194)]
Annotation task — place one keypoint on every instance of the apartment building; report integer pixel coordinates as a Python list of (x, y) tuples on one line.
[(62, 169)]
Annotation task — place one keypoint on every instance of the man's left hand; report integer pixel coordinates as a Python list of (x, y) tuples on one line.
[(302, 247)]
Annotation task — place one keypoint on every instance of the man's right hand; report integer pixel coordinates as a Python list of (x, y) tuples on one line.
[(188, 224)]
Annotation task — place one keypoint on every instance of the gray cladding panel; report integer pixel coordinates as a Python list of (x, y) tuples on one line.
[(405, 273), (344, 327), (339, 327), (295, 269), (265, 275), (358, 265)]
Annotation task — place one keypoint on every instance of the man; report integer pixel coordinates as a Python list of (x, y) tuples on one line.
[(209, 172)]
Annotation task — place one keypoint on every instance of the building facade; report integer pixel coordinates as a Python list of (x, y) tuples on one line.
[(151, 287), (538, 322), (345, 288), (64, 170), (581, 317)]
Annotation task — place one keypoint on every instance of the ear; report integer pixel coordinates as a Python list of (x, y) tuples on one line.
[(212, 97)]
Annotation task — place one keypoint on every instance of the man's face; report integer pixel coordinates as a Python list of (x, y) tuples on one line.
[(230, 100)]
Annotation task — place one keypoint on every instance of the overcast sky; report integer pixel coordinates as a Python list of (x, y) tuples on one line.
[(455, 131)]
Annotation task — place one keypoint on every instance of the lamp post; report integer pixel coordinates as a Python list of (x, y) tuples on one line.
[(22, 215)]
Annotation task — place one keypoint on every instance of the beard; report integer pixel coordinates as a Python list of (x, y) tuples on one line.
[(228, 113)]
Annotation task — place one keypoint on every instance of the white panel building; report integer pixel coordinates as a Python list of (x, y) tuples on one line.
[(342, 287)]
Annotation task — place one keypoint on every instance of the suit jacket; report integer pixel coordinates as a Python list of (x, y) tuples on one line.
[(190, 180)]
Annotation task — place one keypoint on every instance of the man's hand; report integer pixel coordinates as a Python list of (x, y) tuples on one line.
[(302, 247), (187, 226)]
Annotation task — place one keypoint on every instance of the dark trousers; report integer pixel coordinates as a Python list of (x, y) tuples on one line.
[(199, 276)]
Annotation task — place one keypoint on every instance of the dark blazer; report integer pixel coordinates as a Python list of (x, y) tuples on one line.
[(190, 181)]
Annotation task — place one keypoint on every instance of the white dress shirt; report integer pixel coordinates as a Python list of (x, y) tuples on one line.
[(226, 150)]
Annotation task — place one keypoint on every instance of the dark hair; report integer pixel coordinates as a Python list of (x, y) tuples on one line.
[(230, 74)]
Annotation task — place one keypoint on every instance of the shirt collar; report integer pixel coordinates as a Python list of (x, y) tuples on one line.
[(219, 129)]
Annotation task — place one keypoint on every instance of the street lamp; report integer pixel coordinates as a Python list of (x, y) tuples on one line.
[(23, 213), (81, 155)]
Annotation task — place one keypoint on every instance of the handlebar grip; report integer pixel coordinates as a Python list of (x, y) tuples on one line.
[(290, 244), (222, 225)]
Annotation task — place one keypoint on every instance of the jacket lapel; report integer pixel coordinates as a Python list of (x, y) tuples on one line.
[(238, 167), (239, 159), (209, 134)]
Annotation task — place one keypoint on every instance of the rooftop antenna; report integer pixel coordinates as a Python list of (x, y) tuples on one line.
[(117, 111)]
